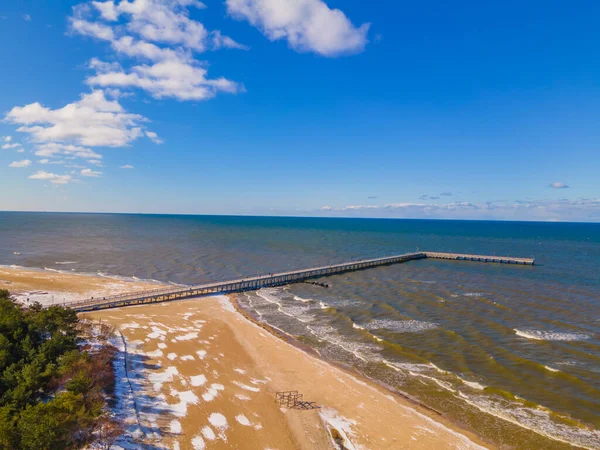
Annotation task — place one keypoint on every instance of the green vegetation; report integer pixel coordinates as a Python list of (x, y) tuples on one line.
[(52, 390)]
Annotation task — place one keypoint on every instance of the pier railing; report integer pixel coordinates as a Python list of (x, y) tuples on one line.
[(271, 280)]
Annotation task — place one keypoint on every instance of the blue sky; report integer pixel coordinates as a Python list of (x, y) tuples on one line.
[(305, 107)]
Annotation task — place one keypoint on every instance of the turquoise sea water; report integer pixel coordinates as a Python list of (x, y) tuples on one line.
[(511, 352)]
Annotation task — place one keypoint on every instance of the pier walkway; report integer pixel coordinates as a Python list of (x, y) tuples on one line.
[(278, 279)]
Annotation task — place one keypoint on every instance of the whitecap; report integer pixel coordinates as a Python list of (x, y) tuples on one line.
[(543, 335), (401, 326)]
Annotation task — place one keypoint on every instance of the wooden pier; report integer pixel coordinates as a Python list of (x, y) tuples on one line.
[(279, 279)]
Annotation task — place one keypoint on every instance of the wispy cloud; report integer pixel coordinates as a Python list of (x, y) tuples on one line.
[(10, 146), (154, 137), (558, 185), (27, 17), (127, 166), (307, 25), (17, 164), (90, 173), (564, 210), (51, 177)]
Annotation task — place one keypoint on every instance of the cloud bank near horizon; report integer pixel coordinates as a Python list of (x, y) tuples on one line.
[(563, 210)]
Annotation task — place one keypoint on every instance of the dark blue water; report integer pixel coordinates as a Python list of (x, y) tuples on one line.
[(511, 352)]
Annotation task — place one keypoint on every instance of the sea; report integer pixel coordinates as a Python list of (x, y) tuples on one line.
[(510, 352)]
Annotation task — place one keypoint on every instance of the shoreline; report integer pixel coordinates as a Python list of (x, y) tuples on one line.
[(307, 423)]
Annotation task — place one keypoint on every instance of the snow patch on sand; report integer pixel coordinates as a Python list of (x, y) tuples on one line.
[(175, 427), (243, 420), (212, 392), (246, 387), (197, 380), (208, 433), (158, 378)]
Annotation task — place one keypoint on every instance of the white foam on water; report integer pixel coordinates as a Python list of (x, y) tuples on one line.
[(64, 263), (542, 335), (538, 420), (364, 352), (243, 420), (401, 326), (208, 433), (472, 384), (358, 327), (162, 345), (201, 354), (187, 358), (172, 356), (407, 367), (551, 369), (303, 300), (240, 371), (300, 313), (197, 380), (474, 294)]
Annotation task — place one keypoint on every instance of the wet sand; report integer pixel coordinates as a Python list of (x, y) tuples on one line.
[(204, 376)]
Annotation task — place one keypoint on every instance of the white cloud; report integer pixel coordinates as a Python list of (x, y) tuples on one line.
[(96, 162), (51, 177), (92, 29), (558, 185), (127, 166), (52, 149), (6, 138), (91, 121), (220, 41), (47, 161), (160, 32), (308, 25), (24, 163), (27, 17), (11, 146), (154, 137), (171, 78), (90, 173)]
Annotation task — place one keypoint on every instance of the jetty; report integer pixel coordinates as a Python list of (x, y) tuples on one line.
[(275, 279)]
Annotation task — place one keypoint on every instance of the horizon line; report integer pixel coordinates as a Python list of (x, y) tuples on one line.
[(297, 216)]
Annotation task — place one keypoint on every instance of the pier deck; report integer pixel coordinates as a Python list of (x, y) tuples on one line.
[(271, 280)]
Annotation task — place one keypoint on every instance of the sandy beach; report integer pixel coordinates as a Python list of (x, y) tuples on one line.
[(58, 287), (202, 375)]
